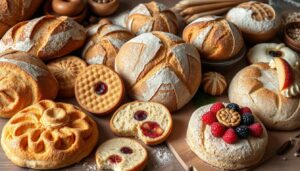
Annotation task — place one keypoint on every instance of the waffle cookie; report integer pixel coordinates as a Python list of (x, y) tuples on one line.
[(65, 71), (121, 154), (49, 135), (98, 89), (149, 121)]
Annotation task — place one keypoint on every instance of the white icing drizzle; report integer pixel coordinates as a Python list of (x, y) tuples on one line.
[(99, 59), (167, 76), (199, 40), (243, 19), (140, 9), (32, 70)]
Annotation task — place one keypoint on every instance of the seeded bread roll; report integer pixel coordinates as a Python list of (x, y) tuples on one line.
[(258, 21), (215, 37), (104, 45), (14, 11), (257, 87), (46, 37), (152, 16)]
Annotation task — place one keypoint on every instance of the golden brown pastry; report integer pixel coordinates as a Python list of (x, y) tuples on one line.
[(46, 37), (66, 70), (214, 83), (152, 16), (24, 80), (215, 37), (49, 135)]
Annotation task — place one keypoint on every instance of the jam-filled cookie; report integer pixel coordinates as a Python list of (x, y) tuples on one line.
[(148, 121), (227, 136), (49, 135), (65, 71), (98, 89), (121, 154)]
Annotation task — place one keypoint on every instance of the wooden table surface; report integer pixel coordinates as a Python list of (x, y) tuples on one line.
[(161, 158)]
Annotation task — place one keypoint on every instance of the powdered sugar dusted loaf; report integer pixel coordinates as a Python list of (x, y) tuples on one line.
[(152, 16), (160, 67), (46, 37)]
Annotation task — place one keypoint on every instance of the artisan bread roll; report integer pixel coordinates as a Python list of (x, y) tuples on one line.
[(215, 151), (24, 80), (14, 11), (152, 16), (160, 67), (215, 37), (256, 86), (46, 37), (104, 45), (258, 21)]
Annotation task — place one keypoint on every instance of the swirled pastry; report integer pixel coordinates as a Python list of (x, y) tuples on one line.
[(24, 80), (214, 83), (49, 135)]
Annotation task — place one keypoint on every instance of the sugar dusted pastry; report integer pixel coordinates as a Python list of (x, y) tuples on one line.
[(215, 37), (65, 70), (104, 45), (49, 135), (230, 138), (259, 87), (121, 154), (258, 21), (160, 67), (148, 121), (214, 83), (152, 16), (46, 37), (24, 80)]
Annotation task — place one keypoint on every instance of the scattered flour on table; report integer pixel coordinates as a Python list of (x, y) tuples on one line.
[(160, 156), (89, 165)]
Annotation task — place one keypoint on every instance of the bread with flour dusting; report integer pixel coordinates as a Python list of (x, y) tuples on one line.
[(14, 11), (46, 37), (104, 45), (24, 80), (152, 16), (215, 37), (213, 150), (257, 87), (160, 67), (258, 21)]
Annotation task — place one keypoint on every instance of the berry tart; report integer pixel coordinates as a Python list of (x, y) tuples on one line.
[(227, 136)]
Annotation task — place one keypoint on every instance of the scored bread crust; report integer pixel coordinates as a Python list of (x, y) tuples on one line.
[(214, 151), (139, 167), (214, 37), (152, 16), (256, 86), (24, 80), (135, 132), (46, 37)]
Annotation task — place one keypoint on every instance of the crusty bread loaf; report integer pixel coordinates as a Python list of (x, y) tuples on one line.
[(104, 45), (24, 80), (258, 21), (213, 150), (46, 37), (256, 86), (14, 11), (49, 135), (152, 16), (148, 121), (160, 67), (122, 154), (215, 37)]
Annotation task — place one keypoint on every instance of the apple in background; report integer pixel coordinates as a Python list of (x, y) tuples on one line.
[(285, 73)]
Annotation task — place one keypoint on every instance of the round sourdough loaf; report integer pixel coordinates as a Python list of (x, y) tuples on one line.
[(215, 37), (213, 150), (258, 21), (104, 45), (152, 16), (24, 80), (46, 37), (256, 86), (160, 67)]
